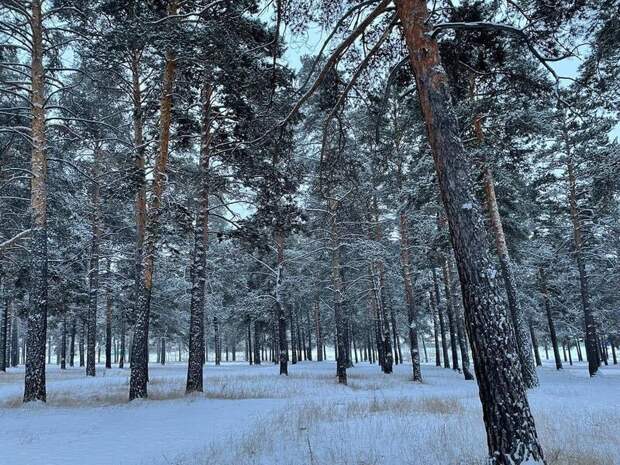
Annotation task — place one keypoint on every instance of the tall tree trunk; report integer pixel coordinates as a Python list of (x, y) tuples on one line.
[(93, 271), (319, 334), (108, 317), (122, 349), (535, 344), (433, 308), (460, 327), (63, 341), (5, 332), (258, 325), (34, 382), (451, 318), (72, 342), (511, 434), (82, 342), (412, 318), (592, 352), (199, 261), (279, 305), (442, 323), (139, 353), (524, 343), (552, 334), (336, 275)]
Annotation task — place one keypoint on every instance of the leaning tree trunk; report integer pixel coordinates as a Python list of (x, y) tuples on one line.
[(524, 343), (511, 434), (534, 343), (93, 271), (592, 353), (412, 318), (199, 261), (552, 333), (139, 351), (34, 382)]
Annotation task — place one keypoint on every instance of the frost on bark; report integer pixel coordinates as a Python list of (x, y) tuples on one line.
[(199, 260), (511, 434), (522, 334), (139, 351), (34, 384), (405, 261)]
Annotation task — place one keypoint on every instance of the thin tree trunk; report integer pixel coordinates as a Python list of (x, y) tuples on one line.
[(442, 324), (139, 353), (412, 317), (93, 271), (34, 381), (72, 342), (524, 343), (451, 318), (340, 346), (199, 260), (535, 344), (5, 332), (511, 433), (63, 341), (460, 328), (108, 317), (122, 350), (279, 305), (554, 339), (319, 334), (589, 323), (433, 308)]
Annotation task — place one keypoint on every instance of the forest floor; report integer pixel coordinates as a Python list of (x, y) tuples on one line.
[(249, 415)]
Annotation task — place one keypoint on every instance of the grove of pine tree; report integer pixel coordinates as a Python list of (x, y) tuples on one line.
[(178, 180)]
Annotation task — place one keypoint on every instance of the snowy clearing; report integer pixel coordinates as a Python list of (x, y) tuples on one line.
[(377, 420)]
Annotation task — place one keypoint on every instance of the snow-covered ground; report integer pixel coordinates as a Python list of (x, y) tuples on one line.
[(250, 415)]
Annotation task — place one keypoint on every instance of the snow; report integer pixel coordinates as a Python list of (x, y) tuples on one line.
[(251, 415)]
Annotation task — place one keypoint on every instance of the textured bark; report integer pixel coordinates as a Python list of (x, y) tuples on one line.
[(34, 384), (139, 352), (524, 343), (258, 325), (442, 323), (199, 257), (592, 352), (511, 434), (93, 271), (412, 317)]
